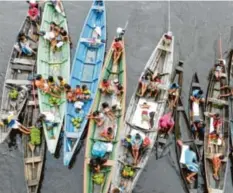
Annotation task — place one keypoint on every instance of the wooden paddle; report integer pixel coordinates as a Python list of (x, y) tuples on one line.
[(32, 148)]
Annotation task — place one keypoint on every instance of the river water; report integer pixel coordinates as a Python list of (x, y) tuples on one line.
[(196, 27)]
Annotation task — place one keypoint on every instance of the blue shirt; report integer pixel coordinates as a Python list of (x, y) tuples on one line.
[(196, 94), (190, 157), (135, 141)]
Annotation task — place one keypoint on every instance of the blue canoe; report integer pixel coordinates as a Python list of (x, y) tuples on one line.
[(86, 70)]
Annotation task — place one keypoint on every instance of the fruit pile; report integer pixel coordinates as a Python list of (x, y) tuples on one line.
[(98, 178), (76, 122), (35, 136), (13, 94), (54, 101), (128, 172)]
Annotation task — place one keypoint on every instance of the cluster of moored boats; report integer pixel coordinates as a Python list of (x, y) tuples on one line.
[(43, 98)]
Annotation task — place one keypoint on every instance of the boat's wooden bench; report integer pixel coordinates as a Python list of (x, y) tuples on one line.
[(24, 61), (72, 135), (161, 47), (108, 163), (32, 182), (217, 101), (32, 159), (22, 67), (210, 156), (100, 8), (18, 82), (33, 103)]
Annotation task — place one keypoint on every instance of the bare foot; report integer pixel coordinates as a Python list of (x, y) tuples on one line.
[(189, 181)]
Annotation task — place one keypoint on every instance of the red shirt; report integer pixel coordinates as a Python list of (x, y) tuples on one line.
[(168, 37), (117, 45), (105, 84), (33, 12)]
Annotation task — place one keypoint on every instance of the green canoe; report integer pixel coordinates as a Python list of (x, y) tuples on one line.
[(54, 64), (111, 72)]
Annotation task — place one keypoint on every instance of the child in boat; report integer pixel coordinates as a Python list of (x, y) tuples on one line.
[(197, 96), (70, 95), (198, 129), (143, 84), (12, 123), (107, 111), (217, 161), (230, 93), (49, 120), (173, 95), (217, 122), (153, 86), (136, 143), (126, 142), (58, 6), (96, 164), (119, 89), (33, 14), (23, 45), (117, 50), (219, 69), (107, 133), (78, 92), (62, 82), (65, 37), (167, 39), (86, 92), (50, 34), (98, 117), (105, 86), (145, 113), (166, 123)]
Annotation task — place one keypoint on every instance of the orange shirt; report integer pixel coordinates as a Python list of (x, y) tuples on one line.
[(78, 91), (216, 161), (40, 83), (117, 45)]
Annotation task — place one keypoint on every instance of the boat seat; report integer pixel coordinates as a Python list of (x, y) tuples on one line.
[(89, 40), (24, 61), (116, 73), (161, 47), (217, 101), (32, 182), (22, 67), (72, 135), (33, 159), (32, 103), (193, 190), (210, 156), (100, 8), (108, 163), (196, 84), (162, 140), (180, 108), (18, 82)]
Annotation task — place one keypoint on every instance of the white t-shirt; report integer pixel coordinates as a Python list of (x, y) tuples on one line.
[(49, 116), (78, 105)]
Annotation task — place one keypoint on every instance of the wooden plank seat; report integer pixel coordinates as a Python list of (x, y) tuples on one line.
[(217, 101), (211, 155), (162, 140), (72, 135), (32, 182), (108, 163), (22, 67), (33, 159), (180, 108), (18, 82), (33, 103), (24, 61), (165, 48), (100, 8)]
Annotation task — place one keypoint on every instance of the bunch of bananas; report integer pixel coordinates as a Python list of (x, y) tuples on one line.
[(54, 101), (76, 122), (35, 136), (13, 94)]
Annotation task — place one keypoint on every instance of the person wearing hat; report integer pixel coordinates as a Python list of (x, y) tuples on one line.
[(167, 39), (197, 96), (117, 50), (173, 95)]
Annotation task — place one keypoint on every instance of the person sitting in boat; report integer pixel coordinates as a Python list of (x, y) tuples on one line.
[(153, 86), (50, 34), (70, 96), (198, 129), (86, 92), (41, 83), (219, 69), (65, 37), (49, 120), (197, 96), (217, 161), (144, 146), (78, 105), (143, 84), (96, 164), (229, 94), (167, 39), (12, 123), (126, 142), (23, 45), (108, 111), (98, 117), (34, 14), (173, 95), (145, 113), (119, 89), (106, 87), (166, 123), (217, 122), (33, 3), (117, 50), (108, 133), (78, 92), (58, 6), (136, 143), (62, 82)]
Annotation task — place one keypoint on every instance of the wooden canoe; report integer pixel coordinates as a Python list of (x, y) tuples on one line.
[(163, 139), (33, 162), (110, 72), (161, 61), (18, 72), (87, 66), (221, 106), (54, 64)]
